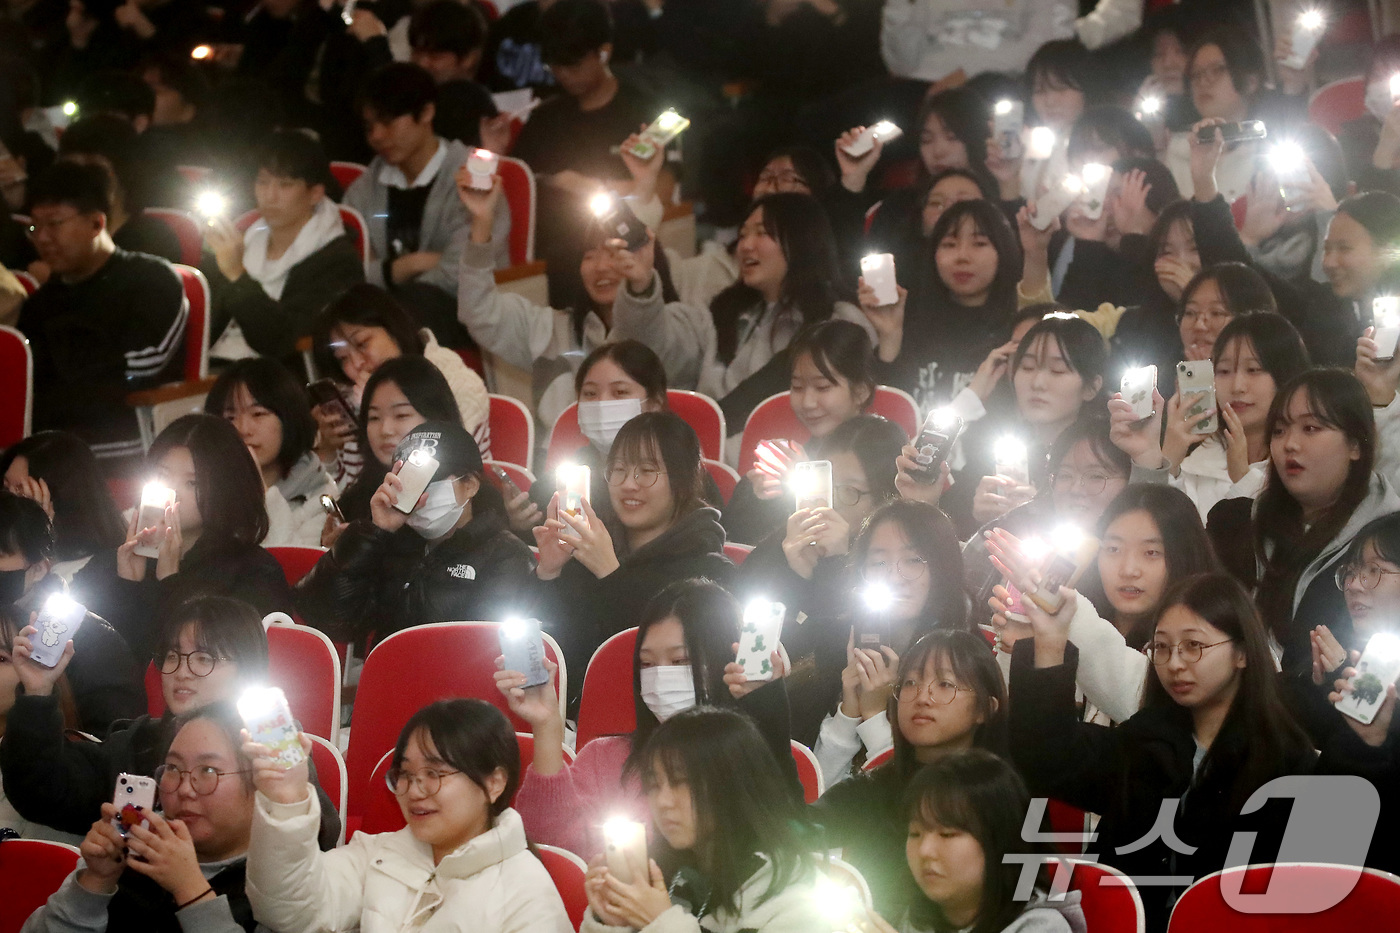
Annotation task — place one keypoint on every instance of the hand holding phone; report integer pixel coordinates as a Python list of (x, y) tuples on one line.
[(935, 443), (1377, 669), (522, 648), (1197, 378), (1137, 388), (134, 793), (758, 638), (156, 498), (625, 849), (57, 623)]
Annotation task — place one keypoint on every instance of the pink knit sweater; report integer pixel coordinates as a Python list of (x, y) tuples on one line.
[(568, 809)]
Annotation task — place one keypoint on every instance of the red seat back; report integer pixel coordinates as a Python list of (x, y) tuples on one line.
[(703, 414), (16, 387), (186, 229), (346, 173), (809, 772), (512, 431), (330, 774), (197, 324), (567, 871), (774, 418), (873, 763), (304, 663), (1337, 103), (31, 284), (30, 871), (1203, 907), (724, 476), (521, 477), (417, 666), (565, 439), (1109, 899), (296, 562), (737, 553), (606, 706), (195, 175), (1067, 819), (518, 186)]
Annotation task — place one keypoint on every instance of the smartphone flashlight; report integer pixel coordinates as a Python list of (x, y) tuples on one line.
[(70, 107), (1095, 177), (1012, 459), (1395, 86), (347, 13), (1004, 107), (1149, 106), (884, 131), (1042, 143), (200, 52), (878, 597), (211, 204), (1385, 315), (481, 165), (601, 204), (878, 271), (269, 720), (1307, 31), (625, 842), (574, 481), (1287, 157), (1311, 20), (839, 904), (1034, 548)]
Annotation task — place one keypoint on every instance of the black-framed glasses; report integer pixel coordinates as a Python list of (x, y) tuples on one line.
[(429, 780), (908, 568), (200, 663), (1091, 483), (1368, 575), (1190, 651), (645, 477), (940, 692), (785, 177), (1213, 316), (203, 780), (848, 495)]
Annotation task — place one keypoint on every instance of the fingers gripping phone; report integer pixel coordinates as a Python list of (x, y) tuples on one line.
[(133, 794), (1377, 669), (324, 393), (1197, 377)]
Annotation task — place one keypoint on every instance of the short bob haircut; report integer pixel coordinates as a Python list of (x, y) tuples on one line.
[(972, 662), (842, 352), (662, 436), (1078, 341), (1275, 341), (1383, 534), (86, 520), (362, 305), (25, 528), (988, 220), (932, 535), (979, 793), (224, 627), (298, 155), (1243, 58), (1243, 289), (228, 486), (636, 359), (809, 164), (964, 114), (1106, 127), (469, 735), (1062, 63), (396, 90), (272, 387), (876, 443), (225, 716)]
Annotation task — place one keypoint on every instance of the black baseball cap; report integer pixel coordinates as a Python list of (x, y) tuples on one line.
[(450, 444)]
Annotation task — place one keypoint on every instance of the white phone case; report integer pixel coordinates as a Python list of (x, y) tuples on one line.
[(812, 481), (1053, 202), (522, 647), (1008, 119), (1095, 178), (58, 622), (1304, 41), (1197, 378), (574, 484), (1137, 389), (878, 271), (758, 638), (1012, 462), (270, 722), (625, 844), (885, 131), (481, 165), (1385, 313), (415, 475), (155, 498), (133, 791), (1377, 670)]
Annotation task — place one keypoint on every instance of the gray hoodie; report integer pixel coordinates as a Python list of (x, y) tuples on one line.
[(1041, 915)]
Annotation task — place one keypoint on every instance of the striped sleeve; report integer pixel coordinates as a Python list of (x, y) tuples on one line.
[(149, 362)]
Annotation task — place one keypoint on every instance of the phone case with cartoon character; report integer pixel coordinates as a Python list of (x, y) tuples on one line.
[(758, 638), (58, 622)]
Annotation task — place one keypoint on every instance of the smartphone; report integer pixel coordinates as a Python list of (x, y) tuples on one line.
[(1198, 378), (878, 271), (872, 627), (415, 475), (884, 131), (347, 12), (1066, 562), (523, 648), (481, 165), (574, 483), (655, 137), (508, 486), (324, 392), (1137, 387), (1011, 460), (774, 457), (1290, 166), (758, 638), (625, 845), (269, 720), (57, 622), (1015, 604), (155, 499), (1008, 119), (1308, 27), (618, 221), (1385, 316), (1234, 132), (1053, 202), (934, 446), (135, 792), (1094, 177), (331, 507), (811, 481), (1042, 144), (1377, 669)]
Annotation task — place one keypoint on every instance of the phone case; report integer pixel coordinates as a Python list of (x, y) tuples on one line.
[(481, 165), (878, 271), (1234, 132), (522, 645), (1198, 378), (885, 131), (324, 392), (1385, 315), (660, 133), (618, 221), (1008, 119), (625, 844), (415, 475), (269, 720), (758, 637), (872, 628), (1010, 459), (331, 507), (58, 621), (1094, 177), (507, 484), (347, 13), (574, 484), (1307, 32), (811, 480), (134, 792), (1063, 567), (1052, 203), (1137, 389), (155, 498), (935, 444), (1377, 669), (1042, 144)]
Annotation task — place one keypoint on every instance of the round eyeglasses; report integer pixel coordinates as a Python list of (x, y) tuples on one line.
[(1190, 651), (203, 780), (1367, 575), (940, 692), (429, 780), (200, 663), (1092, 483), (645, 477), (907, 568)]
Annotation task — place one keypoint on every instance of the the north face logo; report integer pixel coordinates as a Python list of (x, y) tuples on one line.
[(463, 572)]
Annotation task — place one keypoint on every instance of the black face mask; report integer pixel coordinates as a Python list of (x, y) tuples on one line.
[(12, 586)]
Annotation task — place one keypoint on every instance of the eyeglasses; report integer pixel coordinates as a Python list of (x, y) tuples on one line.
[(643, 476), (1091, 483), (940, 692), (849, 495), (203, 780), (908, 568), (1212, 317), (42, 226), (1190, 651), (429, 780), (1210, 73), (1368, 575), (200, 663), (776, 179)]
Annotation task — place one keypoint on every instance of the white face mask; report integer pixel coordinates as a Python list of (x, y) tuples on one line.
[(600, 421), (435, 517), (668, 690), (1378, 100)]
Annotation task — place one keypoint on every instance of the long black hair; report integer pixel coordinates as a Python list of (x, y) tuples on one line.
[(228, 486), (85, 518), (988, 220), (471, 736), (665, 436), (932, 535), (964, 113), (271, 386), (362, 305)]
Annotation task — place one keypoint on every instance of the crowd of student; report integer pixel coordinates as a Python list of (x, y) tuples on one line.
[(1238, 537)]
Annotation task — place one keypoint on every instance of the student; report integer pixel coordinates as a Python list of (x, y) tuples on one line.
[(1168, 259), (684, 658), (729, 854), (454, 770), (273, 418), (452, 557), (1213, 730), (1321, 489), (210, 541), (106, 681), (403, 393), (58, 471), (350, 339), (182, 868), (1057, 376), (965, 813), (832, 380), (1369, 142), (209, 649), (107, 322), (270, 281), (447, 40), (947, 695), (628, 296), (1060, 83), (1358, 261), (408, 198), (595, 577), (1254, 354)]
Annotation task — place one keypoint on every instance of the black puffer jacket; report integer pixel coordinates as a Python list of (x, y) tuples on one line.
[(374, 580)]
